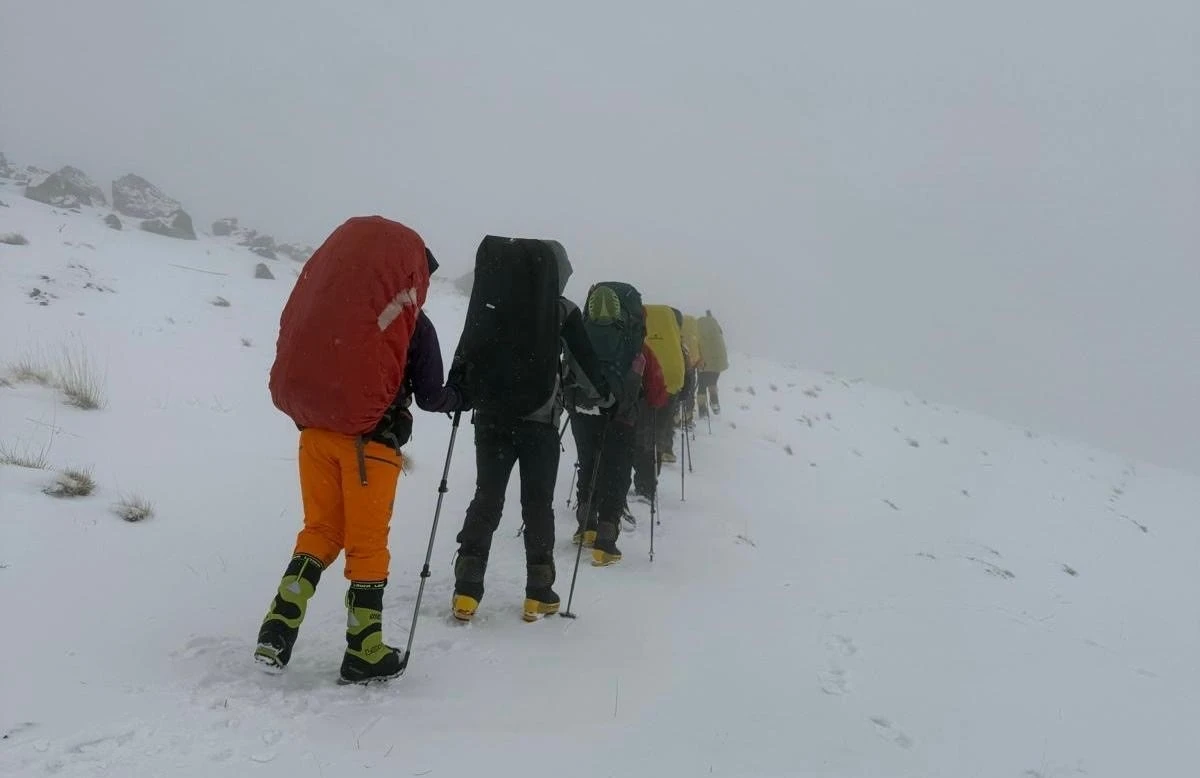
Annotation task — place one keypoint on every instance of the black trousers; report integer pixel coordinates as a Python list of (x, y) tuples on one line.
[(708, 389), (645, 468), (500, 444), (612, 442)]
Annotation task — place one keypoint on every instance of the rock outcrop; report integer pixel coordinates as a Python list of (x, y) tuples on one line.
[(69, 187), (113, 221), (135, 196), (177, 225), (295, 251), (262, 271)]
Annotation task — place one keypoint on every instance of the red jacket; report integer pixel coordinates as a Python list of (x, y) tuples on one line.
[(653, 384)]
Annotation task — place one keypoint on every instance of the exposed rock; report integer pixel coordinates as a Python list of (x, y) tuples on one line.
[(265, 253), (262, 271), (178, 225), (257, 240), (465, 282), (295, 251), (135, 196), (113, 221), (31, 174), (224, 227), (7, 169), (68, 188)]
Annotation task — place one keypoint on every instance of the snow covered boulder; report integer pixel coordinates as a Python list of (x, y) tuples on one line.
[(7, 169), (262, 271), (135, 196), (295, 251), (31, 173), (177, 225), (113, 221), (225, 227), (68, 188)]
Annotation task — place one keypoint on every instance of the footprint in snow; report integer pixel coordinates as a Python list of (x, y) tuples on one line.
[(835, 680), (888, 731), (992, 569), (842, 645)]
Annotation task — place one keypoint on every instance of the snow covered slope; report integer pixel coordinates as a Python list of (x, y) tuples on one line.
[(858, 583)]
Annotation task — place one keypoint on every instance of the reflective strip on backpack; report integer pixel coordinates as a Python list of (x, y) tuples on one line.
[(392, 311)]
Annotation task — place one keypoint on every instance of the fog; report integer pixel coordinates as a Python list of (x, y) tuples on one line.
[(990, 204)]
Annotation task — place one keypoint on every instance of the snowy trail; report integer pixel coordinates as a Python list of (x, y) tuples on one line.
[(859, 583)]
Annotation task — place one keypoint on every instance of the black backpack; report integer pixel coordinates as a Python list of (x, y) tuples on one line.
[(616, 324), (508, 355)]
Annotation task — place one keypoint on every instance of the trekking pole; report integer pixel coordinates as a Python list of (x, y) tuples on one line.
[(442, 489), (571, 488), (653, 515), (682, 469), (687, 440), (587, 516)]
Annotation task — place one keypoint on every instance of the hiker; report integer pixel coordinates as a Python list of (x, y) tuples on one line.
[(615, 322), (663, 337), (518, 327), (646, 437), (354, 350), (713, 362), (690, 333)]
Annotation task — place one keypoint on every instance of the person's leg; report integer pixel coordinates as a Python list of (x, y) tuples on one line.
[(538, 454), (370, 472), (495, 455), (666, 429), (587, 430), (616, 471), (317, 545)]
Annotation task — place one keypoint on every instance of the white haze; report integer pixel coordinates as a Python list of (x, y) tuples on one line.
[(990, 204)]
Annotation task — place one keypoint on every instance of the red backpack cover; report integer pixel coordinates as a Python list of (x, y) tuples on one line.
[(344, 333)]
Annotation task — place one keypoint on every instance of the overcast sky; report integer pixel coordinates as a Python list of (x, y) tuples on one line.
[(991, 204)]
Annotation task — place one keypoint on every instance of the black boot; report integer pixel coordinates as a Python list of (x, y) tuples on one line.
[(469, 569), (367, 657), (281, 627), (605, 552), (540, 598)]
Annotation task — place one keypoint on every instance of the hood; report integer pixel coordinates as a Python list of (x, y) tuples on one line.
[(564, 264)]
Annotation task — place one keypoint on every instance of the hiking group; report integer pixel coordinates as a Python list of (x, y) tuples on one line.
[(355, 350)]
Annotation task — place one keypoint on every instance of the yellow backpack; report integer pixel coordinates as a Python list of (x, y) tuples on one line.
[(691, 340), (663, 338)]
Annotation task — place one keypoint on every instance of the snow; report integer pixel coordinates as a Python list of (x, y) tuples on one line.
[(910, 591)]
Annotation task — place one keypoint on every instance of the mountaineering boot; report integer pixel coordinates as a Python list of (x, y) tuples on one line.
[(281, 626), (588, 536), (605, 551), (540, 599), (587, 526), (468, 584), (367, 657)]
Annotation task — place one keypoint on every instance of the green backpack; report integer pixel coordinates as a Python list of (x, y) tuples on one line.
[(616, 324)]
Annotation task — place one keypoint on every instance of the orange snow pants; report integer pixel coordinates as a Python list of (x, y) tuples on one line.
[(348, 487)]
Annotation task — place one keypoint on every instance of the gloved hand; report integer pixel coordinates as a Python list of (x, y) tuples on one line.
[(464, 402)]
